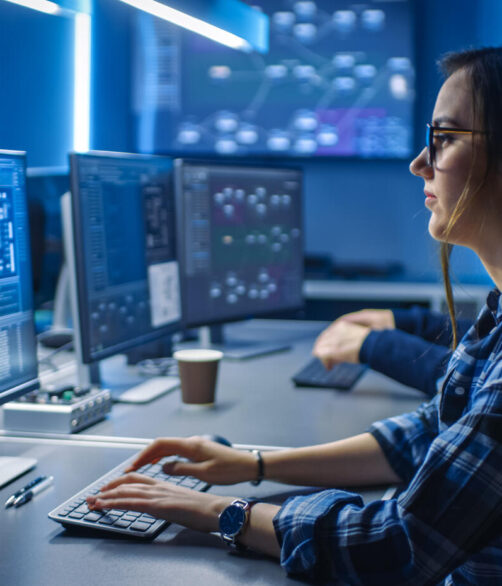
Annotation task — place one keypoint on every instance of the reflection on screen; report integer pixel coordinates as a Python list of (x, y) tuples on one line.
[(240, 235), (338, 81), (18, 361)]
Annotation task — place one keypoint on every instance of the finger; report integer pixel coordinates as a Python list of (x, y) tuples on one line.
[(130, 478), (124, 491), (159, 449), (142, 505), (181, 468)]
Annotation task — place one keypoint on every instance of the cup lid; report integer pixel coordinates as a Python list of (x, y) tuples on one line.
[(198, 355)]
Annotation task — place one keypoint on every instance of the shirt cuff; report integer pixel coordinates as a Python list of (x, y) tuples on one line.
[(297, 524)]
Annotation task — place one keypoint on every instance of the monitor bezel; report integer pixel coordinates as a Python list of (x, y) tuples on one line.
[(77, 252), (31, 383), (179, 163)]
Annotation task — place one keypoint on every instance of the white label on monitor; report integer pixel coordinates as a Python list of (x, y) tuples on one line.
[(165, 303)]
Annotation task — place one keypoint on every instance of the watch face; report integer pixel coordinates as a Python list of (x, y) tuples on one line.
[(232, 520)]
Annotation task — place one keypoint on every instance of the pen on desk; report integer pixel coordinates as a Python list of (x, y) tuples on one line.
[(10, 501), (29, 494)]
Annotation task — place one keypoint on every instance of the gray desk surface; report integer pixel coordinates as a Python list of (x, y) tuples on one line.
[(257, 404)]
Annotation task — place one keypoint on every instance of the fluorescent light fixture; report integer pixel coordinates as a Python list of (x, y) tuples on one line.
[(229, 22), (40, 5), (82, 83)]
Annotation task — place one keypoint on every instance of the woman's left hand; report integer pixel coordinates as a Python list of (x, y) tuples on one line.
[(164, 500)]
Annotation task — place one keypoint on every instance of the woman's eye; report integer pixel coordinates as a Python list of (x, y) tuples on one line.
[(443, 138)]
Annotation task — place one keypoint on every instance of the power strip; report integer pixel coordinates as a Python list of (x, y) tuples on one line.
[(68, 413)]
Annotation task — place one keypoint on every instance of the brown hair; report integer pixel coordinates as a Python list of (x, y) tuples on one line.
[(484, 69)]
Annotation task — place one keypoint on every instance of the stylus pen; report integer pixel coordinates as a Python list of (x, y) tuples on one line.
[(10, 501), (29, 494)]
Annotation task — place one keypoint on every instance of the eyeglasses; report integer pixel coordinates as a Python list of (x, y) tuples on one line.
[(429, 139)]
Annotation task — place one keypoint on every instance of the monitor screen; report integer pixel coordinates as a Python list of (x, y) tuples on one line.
[(125, 251), (18, 357), (338, 81), (45, 186), (240, 240)]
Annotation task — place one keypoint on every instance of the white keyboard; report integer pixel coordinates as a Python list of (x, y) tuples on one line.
[(149, 390)]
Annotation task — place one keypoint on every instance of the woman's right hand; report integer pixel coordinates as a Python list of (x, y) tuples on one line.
[(207, 460)]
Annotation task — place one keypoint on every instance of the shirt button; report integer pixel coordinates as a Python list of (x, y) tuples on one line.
[(459, 391)]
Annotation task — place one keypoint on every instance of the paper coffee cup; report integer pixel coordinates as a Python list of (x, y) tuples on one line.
[(198, 372)]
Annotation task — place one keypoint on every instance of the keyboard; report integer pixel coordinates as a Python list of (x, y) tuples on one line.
[(148, 391), (74, 512), (342, 376)]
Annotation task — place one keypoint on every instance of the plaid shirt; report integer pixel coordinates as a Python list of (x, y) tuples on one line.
[(446, 526)]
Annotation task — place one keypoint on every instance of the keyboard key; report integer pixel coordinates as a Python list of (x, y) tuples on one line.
[(108, 520), (92, 517), (122, 523), (140, 526)]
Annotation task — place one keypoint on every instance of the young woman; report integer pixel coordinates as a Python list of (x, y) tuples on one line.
[(446, 527)]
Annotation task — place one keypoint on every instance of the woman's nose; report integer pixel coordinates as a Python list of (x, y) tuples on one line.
[(420, 166)]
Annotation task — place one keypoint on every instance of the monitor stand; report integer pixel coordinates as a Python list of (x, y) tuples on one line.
[(123, 382), (213, 337)]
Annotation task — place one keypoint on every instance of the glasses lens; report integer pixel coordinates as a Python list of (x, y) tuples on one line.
[(429, 141)]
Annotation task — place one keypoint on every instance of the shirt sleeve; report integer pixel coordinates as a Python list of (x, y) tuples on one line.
[(418, 538), (430, 325), (406, 358), (405, 439)]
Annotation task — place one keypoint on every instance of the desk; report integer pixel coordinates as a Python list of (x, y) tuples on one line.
[(257, 404)]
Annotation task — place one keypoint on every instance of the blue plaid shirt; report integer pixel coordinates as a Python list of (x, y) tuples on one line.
[(446, 527)]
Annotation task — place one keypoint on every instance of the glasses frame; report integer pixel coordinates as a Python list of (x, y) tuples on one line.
[(429, 139)]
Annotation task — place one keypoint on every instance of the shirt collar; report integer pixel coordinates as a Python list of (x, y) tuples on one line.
[(494, 303)]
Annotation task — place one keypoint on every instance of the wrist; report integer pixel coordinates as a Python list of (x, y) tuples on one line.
[(216, 507)]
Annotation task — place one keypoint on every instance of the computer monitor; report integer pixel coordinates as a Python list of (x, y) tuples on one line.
[(338, 81), (45, 186), (18, 353), (240, 243), (119, 225)]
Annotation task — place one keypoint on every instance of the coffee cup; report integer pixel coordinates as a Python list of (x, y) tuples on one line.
[(198, 372)]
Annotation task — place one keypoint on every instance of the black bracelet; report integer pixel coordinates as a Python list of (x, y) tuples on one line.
[(261, 468)]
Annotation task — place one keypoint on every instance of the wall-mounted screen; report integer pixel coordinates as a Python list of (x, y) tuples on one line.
[(338, 81)]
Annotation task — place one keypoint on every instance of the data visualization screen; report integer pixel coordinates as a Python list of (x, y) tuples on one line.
[(18, 360), (338, 81), (240, 240), (125, 251)]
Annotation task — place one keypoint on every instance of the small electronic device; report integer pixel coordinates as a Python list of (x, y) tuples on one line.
[(240, 246), (61, 410), (342, 376), (74, 513)]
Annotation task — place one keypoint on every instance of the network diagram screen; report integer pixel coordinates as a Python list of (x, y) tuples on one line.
[(338, 81), (125, 250), (240, 241), (18, 359)]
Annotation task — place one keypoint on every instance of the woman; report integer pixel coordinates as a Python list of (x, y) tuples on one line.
[(446, 526)]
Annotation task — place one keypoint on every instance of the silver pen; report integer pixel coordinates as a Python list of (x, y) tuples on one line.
[(10, 501), (29, 494)]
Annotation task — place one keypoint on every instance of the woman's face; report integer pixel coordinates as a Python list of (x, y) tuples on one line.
[(446, 178)]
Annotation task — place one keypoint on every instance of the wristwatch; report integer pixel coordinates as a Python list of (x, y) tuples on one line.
[(233, 521)]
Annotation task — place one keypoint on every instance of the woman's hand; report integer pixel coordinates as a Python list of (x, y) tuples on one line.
[(163, 500), (340, 342), (375, 319), (207, 460)]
